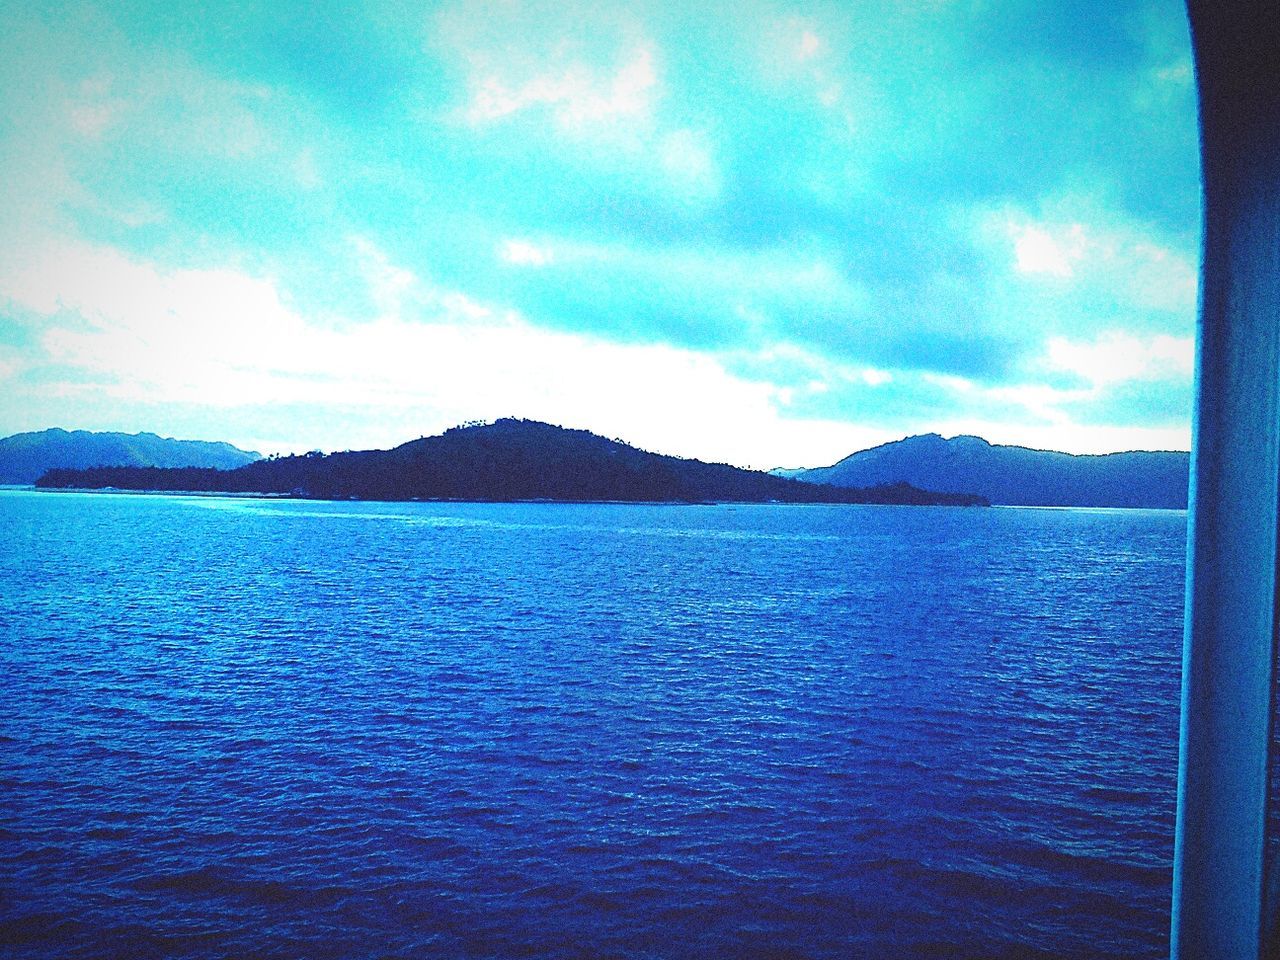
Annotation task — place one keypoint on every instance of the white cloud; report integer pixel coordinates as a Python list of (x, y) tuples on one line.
[(1117, 356), (523, 253), (830, 94), (1180, 73), (132, 333), (1038, 250), (810, 44), (306, 171), (1155, 276), (796, 53), (687, 158), (584, 67), (167, 101), (388, 284), (950, 382), (1039, 401), (753, 280), (1043, 416), (577, 94), (90, 120), (1043, 402), (1109, 258)]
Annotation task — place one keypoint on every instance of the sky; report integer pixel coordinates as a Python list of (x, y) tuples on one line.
[(763, 233)]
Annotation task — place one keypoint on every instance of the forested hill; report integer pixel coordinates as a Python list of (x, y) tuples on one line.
[(1016, 475), (25, 456), (507, 460)]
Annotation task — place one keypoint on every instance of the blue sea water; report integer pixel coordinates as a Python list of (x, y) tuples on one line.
[(295, 729)]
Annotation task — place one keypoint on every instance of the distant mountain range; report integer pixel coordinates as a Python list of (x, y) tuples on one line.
[(1015, 475), (25, 456), (507, 460)]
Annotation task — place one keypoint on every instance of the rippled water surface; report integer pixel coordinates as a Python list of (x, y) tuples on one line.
[(297, 729)]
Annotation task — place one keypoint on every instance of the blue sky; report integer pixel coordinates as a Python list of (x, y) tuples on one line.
[(770, 237)]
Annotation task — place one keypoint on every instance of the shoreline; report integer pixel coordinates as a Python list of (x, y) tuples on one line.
[(245, 495)]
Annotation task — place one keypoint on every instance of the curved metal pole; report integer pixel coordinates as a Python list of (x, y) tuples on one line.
[(1229, 649)]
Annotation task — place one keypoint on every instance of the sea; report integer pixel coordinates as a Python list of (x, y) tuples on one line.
[(298, 729)]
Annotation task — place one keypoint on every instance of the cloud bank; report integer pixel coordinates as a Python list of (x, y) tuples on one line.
[(768, 239)]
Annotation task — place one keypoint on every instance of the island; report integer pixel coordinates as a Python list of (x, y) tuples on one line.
[(1016, 476), (508, 460)]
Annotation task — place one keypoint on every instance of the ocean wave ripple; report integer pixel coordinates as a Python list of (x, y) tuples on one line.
[(273, 730)]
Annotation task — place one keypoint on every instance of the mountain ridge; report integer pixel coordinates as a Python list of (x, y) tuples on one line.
[(24, 457), (507, 460), (1015, 475)]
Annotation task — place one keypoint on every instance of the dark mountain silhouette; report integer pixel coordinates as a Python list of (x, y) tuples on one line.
[(1015, 475), (506, 460), (25, 456)]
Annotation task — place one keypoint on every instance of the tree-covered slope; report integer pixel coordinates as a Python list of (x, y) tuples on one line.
[(506, 460), (25, 456), (1015, 475)]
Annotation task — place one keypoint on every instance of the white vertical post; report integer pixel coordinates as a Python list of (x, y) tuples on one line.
[(1230, 641)]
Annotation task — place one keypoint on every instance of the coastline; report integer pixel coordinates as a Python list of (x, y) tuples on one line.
[(245, 495)]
